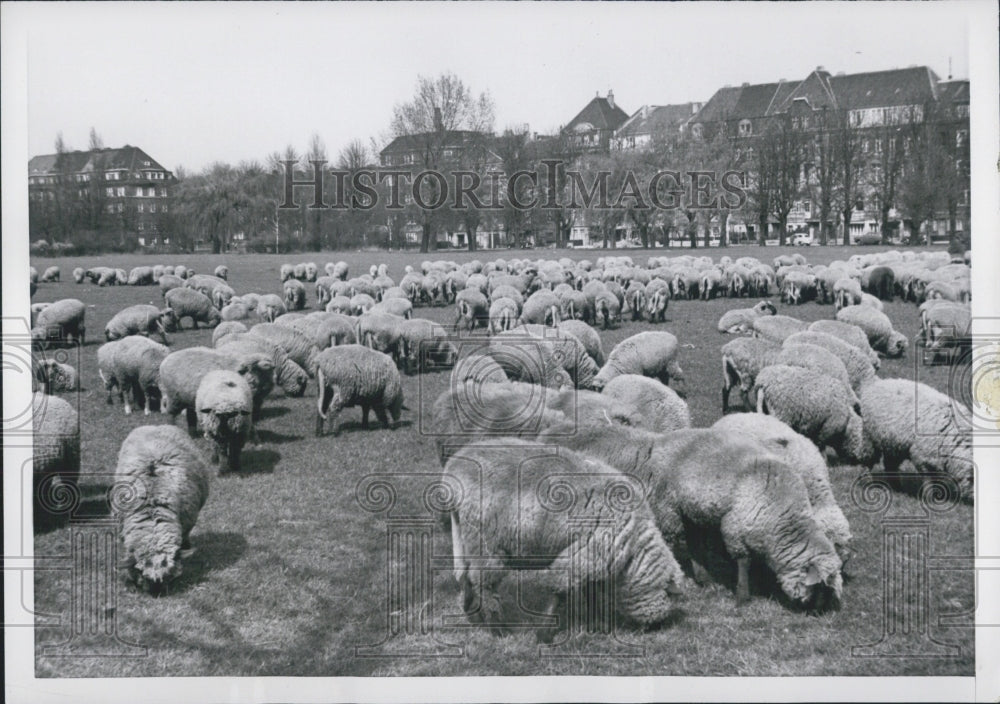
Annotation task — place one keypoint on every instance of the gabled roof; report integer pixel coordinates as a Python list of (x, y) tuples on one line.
[(407, 143), (654, 119), (127, 157), (815, 90), (599, 114), (720, 106), (877, 89), (746, 102)]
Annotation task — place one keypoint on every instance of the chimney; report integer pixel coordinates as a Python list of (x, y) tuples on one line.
[(438, 123), (745, 85), (820, 68), (611, 98), (841, 73), (645, 112), (695, 107)]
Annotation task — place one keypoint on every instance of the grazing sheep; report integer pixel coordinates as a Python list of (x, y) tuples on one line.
[(877, 326), (657, 298), (881, 281), (504, 313), (945, 326), (508, 292), (776, 328), (270, 306), (108, 277), (55, 454), (51, 274), (859, 368), (328, 329), (222, 295), (182, 371), (662, 409), (132, 365), (847, 292), (354, 375), (222, 271), (62, 321), (479, 368), (425, 345), (651, 354), (742, 360), (573, 305), (121, 277), (361, 303), (225, 328), (188, 303), (142, 320), (400, 307), (472, 309), (141, 276), (183, 272), (566, 349), (78, 275), (169, 282), (524, 358), (607, 310), (500, 520), (381, 331), (295, 294), (740, 320), (37, 308), (236, 310), (224, 406), (801, 455), (807, 402), (851, 334), (56, 377), (819, 359), (907, 420), (589, 337), (297, 345), (541, 307), (171, 481), (341, 305), (869, 300), (287, 374), (705, 478), (300, 271)]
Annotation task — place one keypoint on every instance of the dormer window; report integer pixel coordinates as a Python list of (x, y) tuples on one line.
[(745, 128)]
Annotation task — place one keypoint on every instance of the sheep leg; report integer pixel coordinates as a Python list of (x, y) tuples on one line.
[(192, 421), (742, 581), (365, 408), (382, 416), (325, 396), (233, 454)]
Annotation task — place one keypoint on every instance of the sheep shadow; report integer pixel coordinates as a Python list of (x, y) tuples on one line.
[(354, 426), (274, 438), (213, 551), (257, 461), (274, 412)]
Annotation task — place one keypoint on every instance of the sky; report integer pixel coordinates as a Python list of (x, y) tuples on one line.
[(194, 83)]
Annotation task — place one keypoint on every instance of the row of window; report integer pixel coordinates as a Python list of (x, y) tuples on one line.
[(140, 192), (84, 177), (120, 208)]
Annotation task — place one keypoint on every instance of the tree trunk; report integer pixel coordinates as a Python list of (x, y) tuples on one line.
[(847, 226), (762, 231), (425, 238), (723, 226)]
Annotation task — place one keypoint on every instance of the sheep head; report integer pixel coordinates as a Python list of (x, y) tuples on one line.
[(897, 345), (817, 585)]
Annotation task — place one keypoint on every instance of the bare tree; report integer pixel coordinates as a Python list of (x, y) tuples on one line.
[(847, 152), (919, 189), (824, 172), (886, 143)]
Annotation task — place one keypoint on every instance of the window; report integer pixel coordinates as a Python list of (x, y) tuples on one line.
[(141, 208), (121, 207), (138, 191), (696, 131), (109, 192), (152, 207), (960, 137), (163, 193), (807, 206), (141, 227), (121, 191), (745, 128), (163, 208), (877, 146), (877, 173), (866, 146), (111, 207)]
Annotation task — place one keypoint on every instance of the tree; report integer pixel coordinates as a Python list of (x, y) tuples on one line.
[(316, 153), (887, 142), (919, 192), (430, 121), (824, 172), (847, 152), (780, 149), (759, 189)]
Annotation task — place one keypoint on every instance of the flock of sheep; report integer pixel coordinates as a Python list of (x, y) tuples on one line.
[(597, 421)]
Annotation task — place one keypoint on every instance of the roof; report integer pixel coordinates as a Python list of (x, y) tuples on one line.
[(906, 86), (651, 119), (954, 91), (407, 143), (127, 157), (599, 114)]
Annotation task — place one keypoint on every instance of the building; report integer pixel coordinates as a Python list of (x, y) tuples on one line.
[(128, 189), (651, 121), (873, 104), (593, 127)]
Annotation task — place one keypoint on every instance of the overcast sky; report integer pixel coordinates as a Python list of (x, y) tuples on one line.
[(196, 83)]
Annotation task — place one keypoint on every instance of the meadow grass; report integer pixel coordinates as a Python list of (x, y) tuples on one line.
[(289, 574)]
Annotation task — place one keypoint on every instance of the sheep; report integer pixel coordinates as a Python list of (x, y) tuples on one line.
[(657, 299), (222, 272), (56, 377), (660, 405), (819, 359), (287, 374), (607, 310), (327, 329), (354, 375), (542, 307), (503, 315), (799, 453), (881, 281), (566, 349), (132, 365), (360, 303), (846, 292), (294, 294), (297, 345), (908, 420), (224, 406), (51, 274), (877, 326), (472, 309), (798, 287), (587, 336), (181, 373), (62, 321), (206, 284), (740, 320), (339, 304), (478, 367), (742, 360), (226, 328), (108, 277), (141, 276), (35, 309), (705, 478), (869, 300), (425, 344), (171, 481), (776, 328), (222, 295), (168, 282), (497, 522), (270, 306), (235, 310), (806, 401), (860, 370), (141, 319), (651, 354), (526, 359), (188, 303), (381, 331), (394, 306), (286, 272), (78, 275), (510, 292), (851, 334), (55, 427), (945, 326)]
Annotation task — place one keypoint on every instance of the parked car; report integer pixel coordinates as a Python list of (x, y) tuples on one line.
[(803, 239), (870, 238)]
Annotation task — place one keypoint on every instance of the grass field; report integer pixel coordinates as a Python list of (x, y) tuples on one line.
[(289, 577)]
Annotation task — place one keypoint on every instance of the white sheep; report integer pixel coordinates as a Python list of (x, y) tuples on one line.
[(224, 404), (287, 374), (472, 309), (806, 401), (425, 345), (294, 294), (945, 326), (851, 334), (859, 368), (820, 360), (297, 345), (51, 274), (740, 320), (55, 454), (908, 420), (589, 337), (169, 282), (354, 375), (222, 271), (327, 329), (877, 326), (140, 319), (382, 332), (132, 365), (225, 328), (78, 274), (501, 518), (62, 321), (56, 377), (394, 306), (847, 292), (503, 314), (742, 360), (270, 306), (776, 327), (566, 349), (170, 481), (662, 409), (479, 367), (141, 276), (189, 303), (543, 308), (648, 353)]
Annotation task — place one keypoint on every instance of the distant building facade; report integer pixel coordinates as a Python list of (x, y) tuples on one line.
[(593, 127)]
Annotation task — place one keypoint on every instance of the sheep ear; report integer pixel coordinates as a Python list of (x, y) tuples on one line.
[(813, 576), (186, 553)]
